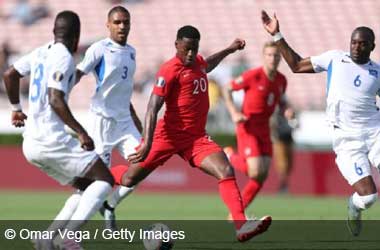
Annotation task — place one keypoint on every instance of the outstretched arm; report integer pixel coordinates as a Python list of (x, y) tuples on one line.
[(154, 105), (12, 84), (215, 59), (296, 63), (59, 105)]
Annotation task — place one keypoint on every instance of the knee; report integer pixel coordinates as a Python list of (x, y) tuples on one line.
[(364, 201), (258, 173), (226, 172)]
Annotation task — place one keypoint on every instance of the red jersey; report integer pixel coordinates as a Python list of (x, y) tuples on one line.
[(261, 95), (185, 90)]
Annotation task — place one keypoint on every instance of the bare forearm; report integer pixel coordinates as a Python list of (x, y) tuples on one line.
[(215, 59), (12, 84), (290, 56)]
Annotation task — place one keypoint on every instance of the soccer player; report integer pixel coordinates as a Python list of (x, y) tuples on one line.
[(352, 83), (264, 87), (113, 118), (182, 84), (46, 143)]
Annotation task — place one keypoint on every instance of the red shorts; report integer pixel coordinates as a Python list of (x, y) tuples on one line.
[(191, 149), (253, 139)]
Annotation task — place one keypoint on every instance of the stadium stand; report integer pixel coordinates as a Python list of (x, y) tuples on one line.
[(310, 26)]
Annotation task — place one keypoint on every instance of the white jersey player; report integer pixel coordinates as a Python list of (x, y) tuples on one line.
[(46, 143), (353, 81), (113, 120)]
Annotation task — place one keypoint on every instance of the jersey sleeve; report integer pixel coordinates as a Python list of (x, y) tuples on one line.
[(61, 73), (164, 81), (23, 65), (91, 58), (241, 82), (321, 63)]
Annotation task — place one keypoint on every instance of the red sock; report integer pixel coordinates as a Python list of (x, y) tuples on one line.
[(239, 163), (250, 191), (118, 172), (230, 194)]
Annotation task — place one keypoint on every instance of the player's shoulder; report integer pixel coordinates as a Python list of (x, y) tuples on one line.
[(172, 65), (254, 72), (337, 53), (374, 64), (281, 76), (59, 52)]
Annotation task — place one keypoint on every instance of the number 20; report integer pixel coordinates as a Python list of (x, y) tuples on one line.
[(201, 85)]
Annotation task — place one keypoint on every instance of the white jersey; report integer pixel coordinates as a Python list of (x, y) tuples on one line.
[(351, 89), (49, 66), (114, 67)]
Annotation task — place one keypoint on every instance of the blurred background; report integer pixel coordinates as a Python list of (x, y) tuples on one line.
[(310, 27)]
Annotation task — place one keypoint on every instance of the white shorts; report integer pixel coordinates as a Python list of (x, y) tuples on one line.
[(61, 161), (356, 150), (108, 134)]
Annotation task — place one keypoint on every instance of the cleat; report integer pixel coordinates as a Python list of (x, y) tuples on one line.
[(354, 221), (229, 151), (251, 228), (109, 216)]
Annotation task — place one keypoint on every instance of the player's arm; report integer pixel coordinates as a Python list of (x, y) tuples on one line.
[(136, 119), (60, 107), (215, 59), (11, 79), (154, 106), (296, 63), (236, 115)]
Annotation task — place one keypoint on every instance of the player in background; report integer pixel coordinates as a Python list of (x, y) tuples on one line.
[(46, 144), (113, 119), (282, 124), (264, 87), (353, 80), (182, 84)]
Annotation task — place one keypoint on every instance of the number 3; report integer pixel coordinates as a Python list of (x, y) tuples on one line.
[(125, 73), (37, 77)]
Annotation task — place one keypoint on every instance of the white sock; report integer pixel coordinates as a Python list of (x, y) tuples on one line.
[(66, 212), (92, 198), (357, 202), (118, 195)]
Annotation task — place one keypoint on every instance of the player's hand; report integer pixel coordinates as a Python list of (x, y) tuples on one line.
[(86, 141), (140, 154), (237, 44), (238, 117), (289, 114), (18, 119), (271, 24)]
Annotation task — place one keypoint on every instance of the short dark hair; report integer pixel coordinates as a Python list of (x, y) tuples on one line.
[(67, 25), (115, 9), (188, 31), (367, 31)]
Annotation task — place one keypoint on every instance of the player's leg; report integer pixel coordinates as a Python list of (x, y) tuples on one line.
[(258, 168), (94, 195), (353, 163), (283, 156), (126, 147), (208, 156)]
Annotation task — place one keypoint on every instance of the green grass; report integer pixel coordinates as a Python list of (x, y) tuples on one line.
[(45, 205), (299, 222)]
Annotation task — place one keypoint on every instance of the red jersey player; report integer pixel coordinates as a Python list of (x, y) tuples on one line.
[(264, 88), (182, 84)]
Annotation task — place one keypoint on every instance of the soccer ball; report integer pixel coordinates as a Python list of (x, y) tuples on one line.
[(157, 237)]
